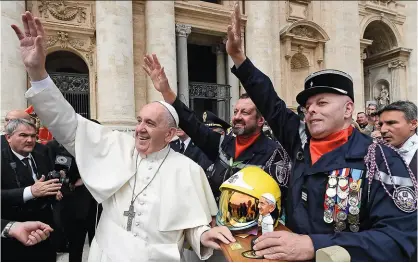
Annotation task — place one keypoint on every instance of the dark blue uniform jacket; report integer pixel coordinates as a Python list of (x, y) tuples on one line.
[(386, 233)]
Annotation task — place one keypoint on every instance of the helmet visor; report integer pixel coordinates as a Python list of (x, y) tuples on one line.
[(237, 211)]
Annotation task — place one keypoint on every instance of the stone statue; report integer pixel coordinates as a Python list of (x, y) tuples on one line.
[(383, 98)]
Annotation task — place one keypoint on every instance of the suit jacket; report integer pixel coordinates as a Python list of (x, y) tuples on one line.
[(76, 203), (4, 223), (193, 152), (14, 178)]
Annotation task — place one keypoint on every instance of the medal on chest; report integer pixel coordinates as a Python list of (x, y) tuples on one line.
[(343, 199)]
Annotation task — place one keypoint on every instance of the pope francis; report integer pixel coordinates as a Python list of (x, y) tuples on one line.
[(153, 198)]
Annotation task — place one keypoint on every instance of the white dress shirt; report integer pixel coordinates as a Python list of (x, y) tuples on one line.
[(409, 148), (27, 193), (186, 143)]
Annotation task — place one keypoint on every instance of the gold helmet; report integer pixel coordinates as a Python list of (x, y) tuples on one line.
[(238, 205)]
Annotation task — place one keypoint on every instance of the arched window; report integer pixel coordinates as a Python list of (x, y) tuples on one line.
[(71, 75)]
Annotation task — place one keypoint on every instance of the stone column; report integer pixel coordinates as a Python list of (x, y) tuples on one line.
[(411, 41), (234, 89), (397, 90), (115, 66), (14, 78), (364, 43), (161, 40), (258, 32), (221, 76), (340, 20), (182, 32)]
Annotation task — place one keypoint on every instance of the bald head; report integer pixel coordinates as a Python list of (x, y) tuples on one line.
[(327, 113), (16, 114)]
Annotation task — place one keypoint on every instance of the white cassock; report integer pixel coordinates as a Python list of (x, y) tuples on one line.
[(174, 203)]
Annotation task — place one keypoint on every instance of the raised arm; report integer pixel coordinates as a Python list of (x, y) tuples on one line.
[(201, 135), (283, 122), (51, 107)]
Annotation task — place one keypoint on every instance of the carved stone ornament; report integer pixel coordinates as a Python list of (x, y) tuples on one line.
[(61, 11), (303, 31), (183, 30), (79, 44), (396, 64)]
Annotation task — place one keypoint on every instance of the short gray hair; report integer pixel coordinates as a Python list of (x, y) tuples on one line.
[(407, 107), (171, 123), (13, 124)]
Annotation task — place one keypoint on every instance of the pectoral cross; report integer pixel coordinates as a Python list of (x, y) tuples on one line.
[(130, 214)]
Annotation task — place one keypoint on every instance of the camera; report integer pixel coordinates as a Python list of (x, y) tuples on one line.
[(62, 176), (61, 167)]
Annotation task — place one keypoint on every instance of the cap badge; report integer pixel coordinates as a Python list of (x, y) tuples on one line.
[(311, 84), (205, 116)]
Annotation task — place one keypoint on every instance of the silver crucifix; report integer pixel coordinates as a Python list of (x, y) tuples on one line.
[(130, 214)]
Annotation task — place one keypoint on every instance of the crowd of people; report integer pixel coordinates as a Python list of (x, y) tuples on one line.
[(343, 183)]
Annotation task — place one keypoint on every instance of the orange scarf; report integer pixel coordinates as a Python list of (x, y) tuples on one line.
[(243, 143), (329, 143)]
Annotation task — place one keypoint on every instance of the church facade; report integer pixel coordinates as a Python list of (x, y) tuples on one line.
[(95, 51)]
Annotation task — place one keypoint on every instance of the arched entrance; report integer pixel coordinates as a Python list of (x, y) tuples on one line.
[(71, 75), (384, 62)]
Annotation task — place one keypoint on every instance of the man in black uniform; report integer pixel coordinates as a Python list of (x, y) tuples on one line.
[(229, 154), (341, 190), (25, 194), (185, 146)]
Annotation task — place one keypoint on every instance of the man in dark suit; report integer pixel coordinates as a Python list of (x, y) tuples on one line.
[(73, 210), (18, 114), (25, 194), (185, 146)]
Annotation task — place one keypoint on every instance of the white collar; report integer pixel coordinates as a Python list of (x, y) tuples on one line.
[(409, 148), (21, 157), (156, 155), (186, 142)]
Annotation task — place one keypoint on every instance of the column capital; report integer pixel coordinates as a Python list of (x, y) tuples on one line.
[(183, 30)]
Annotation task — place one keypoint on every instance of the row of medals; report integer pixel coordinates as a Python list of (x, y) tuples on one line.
[(342, 201)]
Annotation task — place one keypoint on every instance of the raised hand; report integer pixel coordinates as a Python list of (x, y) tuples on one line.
[(154, 70), (31, 232), (234, 42), (32, 46)]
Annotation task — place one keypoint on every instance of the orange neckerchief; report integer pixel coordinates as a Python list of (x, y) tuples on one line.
[(329, 143), (243, 143)]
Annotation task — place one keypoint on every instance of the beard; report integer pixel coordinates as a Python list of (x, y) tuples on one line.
[(245, 130)]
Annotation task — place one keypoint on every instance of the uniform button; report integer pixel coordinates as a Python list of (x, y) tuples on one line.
[(137, 223), (141, 203), (144, 194), (150, 167), (139, 213), (147, 177), (135, 235)]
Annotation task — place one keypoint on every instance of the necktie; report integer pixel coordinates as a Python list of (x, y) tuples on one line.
[(182, 147), (28, 167)]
